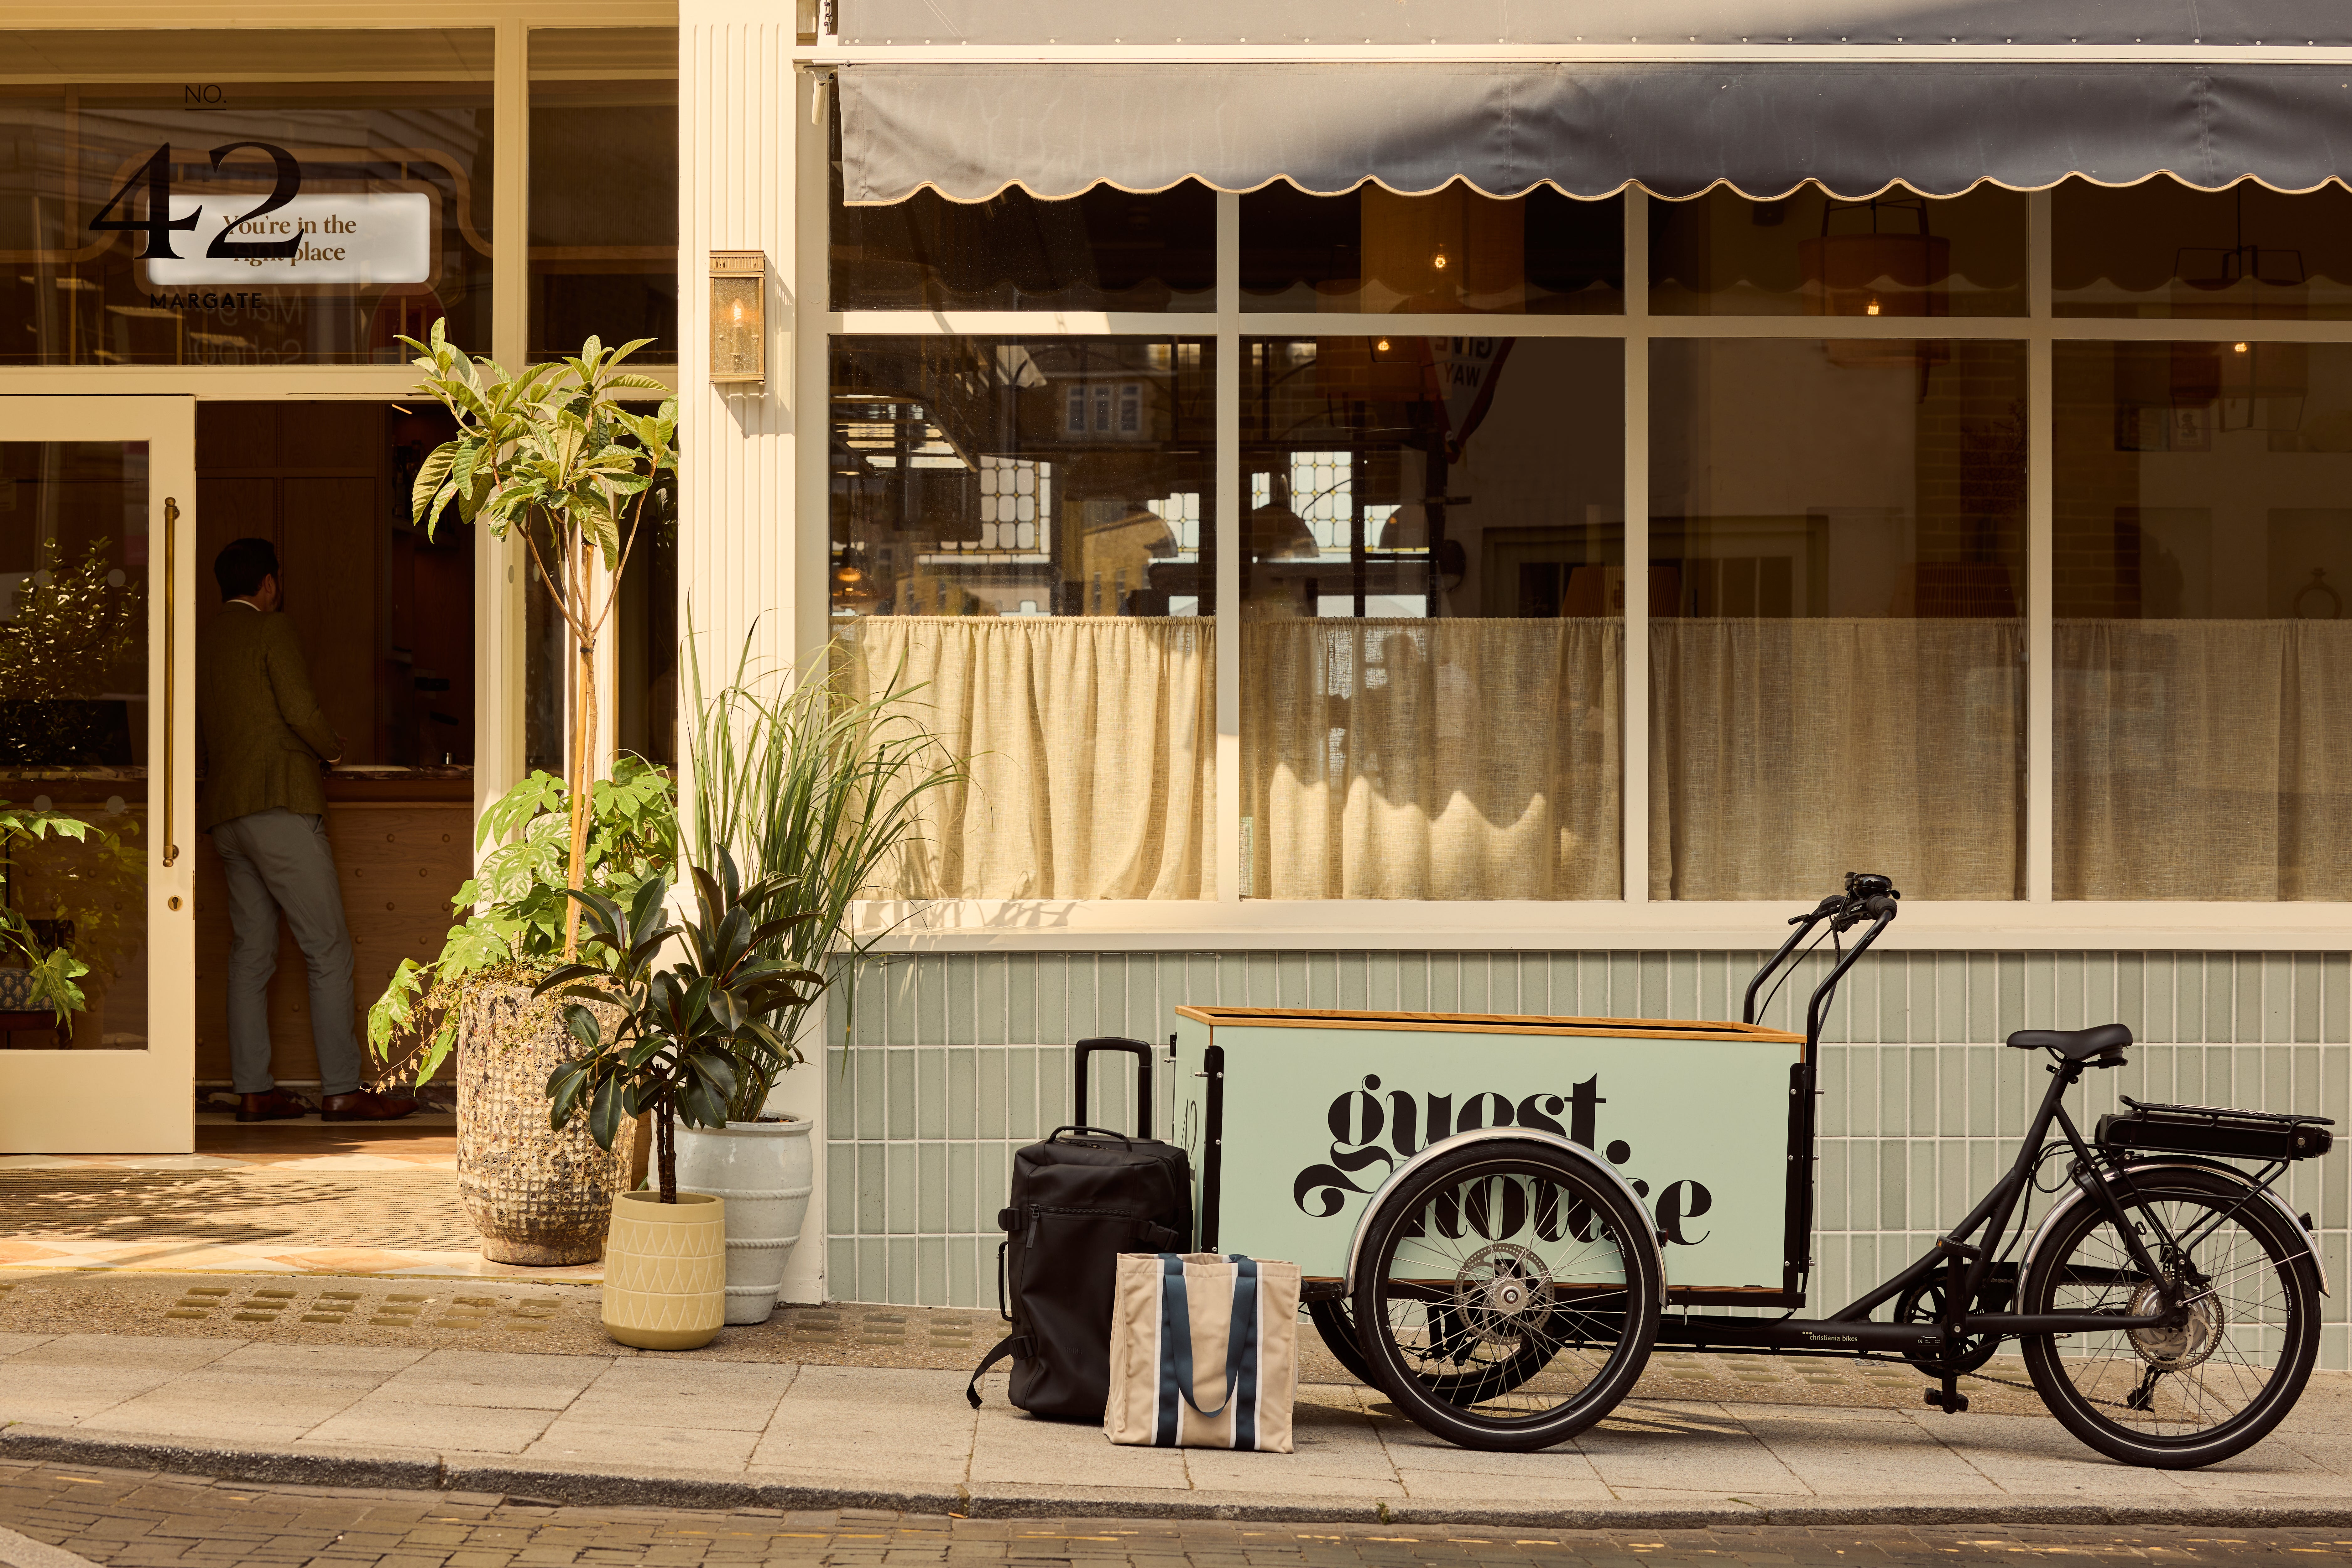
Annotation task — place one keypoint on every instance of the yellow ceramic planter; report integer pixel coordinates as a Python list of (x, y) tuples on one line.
[(666, 1271)]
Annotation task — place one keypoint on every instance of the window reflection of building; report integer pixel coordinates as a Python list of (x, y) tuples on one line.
[(1013, 479), (1432, 656), (1019, 531)]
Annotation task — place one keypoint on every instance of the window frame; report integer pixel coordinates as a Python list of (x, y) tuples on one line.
[(1634, 920)]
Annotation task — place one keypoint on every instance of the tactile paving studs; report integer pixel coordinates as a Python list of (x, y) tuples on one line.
[(198, 1301)]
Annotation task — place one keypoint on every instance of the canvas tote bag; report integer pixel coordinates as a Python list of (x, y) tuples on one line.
[(1203, 1352)]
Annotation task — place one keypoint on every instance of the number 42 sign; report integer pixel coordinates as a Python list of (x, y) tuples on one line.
[(364, 238)]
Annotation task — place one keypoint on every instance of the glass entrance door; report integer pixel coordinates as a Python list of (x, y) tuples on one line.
[(96, 777)]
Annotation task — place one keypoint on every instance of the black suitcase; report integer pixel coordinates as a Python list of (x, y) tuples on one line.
[(1079, 1199)]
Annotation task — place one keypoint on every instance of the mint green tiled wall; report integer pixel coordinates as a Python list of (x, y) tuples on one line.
[(956, 1060)]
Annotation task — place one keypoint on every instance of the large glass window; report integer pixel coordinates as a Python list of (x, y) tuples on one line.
[(1454, 251), (1433, 617), (1837, 568), (2160, 250), (1810, 254), (242, 198), (604, 189), (2201, 563), (1023, 529)]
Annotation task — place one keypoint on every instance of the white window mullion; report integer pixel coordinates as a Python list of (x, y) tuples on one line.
[(1232, 537), (2038, 640), (1634, 813)]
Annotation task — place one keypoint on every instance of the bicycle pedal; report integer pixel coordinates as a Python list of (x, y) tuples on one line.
[(1958, 1402)]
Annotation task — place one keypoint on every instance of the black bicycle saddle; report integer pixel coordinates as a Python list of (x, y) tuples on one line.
[(2075, 1045)]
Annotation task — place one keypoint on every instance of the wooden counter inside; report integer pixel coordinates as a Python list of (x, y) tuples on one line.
[(403, 845)]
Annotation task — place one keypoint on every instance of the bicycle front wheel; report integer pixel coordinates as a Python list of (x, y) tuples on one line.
[(2215, 1384), (1507, 1296)]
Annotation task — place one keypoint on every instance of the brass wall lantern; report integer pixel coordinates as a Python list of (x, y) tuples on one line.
[(738, 338)]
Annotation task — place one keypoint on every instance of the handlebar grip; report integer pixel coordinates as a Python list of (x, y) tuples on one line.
[(1879, 907)]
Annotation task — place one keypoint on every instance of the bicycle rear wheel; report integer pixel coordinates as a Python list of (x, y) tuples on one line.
[(2213, 1385), (1507, 1296)]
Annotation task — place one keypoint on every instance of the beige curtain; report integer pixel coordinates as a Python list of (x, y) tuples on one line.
[(1784, 753), (1089, 742), (2203, 759), (1420, 759)]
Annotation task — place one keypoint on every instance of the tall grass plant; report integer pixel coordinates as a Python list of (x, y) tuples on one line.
[(817, 793)]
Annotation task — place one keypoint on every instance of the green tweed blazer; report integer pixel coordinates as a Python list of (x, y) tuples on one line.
[(264, 735)]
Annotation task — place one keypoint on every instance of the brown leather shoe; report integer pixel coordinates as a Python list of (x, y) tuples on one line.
[(363, 1105), (276, 1105)]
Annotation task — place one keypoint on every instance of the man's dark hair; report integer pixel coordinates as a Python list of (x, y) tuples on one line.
[(242, 565)]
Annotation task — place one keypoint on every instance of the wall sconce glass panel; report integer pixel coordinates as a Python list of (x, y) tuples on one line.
[(738, 339)]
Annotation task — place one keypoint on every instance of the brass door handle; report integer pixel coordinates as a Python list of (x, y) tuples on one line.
[(170, 664)]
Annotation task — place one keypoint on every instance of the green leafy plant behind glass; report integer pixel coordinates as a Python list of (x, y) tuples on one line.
[(77, 902), (512, 914), (685, 1032), (70, 630)]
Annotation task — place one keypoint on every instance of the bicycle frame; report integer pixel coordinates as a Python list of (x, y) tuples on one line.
[(1966, 1267)]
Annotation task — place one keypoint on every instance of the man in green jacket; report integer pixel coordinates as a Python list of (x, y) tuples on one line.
[(265, 738)]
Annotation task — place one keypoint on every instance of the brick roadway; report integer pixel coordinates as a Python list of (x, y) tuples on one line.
[(121, 1517)]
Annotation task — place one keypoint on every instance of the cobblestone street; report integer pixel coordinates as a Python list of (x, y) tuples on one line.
[(117, 1517)]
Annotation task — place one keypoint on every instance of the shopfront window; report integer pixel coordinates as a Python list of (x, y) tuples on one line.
[(1809, 254), (1433, 617), (2162, 251), (1107, 249), (243, 198), (1837, 544), (1451, 252), (1023, 529), (604, 189), (2201, 569)]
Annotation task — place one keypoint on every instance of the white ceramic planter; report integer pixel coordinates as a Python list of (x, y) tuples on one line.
[(763, 1171)]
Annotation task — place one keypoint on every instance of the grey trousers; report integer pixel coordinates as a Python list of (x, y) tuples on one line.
[(278, 861)]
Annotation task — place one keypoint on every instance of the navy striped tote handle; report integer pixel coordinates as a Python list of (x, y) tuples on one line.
[(1176, 1336)]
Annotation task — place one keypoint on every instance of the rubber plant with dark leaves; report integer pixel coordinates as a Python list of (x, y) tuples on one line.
[(687, 1031)]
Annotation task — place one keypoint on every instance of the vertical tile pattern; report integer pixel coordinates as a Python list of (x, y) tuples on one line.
[(963, 1058)]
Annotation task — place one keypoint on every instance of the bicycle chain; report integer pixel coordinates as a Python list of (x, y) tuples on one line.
[(2012, 1383)]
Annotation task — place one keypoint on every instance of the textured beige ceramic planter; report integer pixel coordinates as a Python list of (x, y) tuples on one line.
[(537, 1196), (666, 1271)]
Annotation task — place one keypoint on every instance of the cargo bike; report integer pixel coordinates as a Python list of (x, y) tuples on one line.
[(1500, 1217)]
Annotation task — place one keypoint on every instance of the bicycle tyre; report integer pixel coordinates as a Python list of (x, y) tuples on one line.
[(2257, 1324), (1492, 1378), (1337, 1326), (1336, 1322)]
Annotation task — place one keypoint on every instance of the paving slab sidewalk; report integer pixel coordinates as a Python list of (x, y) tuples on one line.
[(646, 1431)]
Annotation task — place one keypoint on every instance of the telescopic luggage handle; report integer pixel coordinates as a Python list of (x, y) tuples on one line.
[(1142, 1054)]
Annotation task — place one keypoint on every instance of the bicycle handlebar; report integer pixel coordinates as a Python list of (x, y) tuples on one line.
[(1868, 895)]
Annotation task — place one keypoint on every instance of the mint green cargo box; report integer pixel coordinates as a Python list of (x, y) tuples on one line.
[(1294, 1118)]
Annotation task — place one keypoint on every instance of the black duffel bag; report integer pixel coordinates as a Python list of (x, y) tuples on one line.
[(1079, 1199)]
